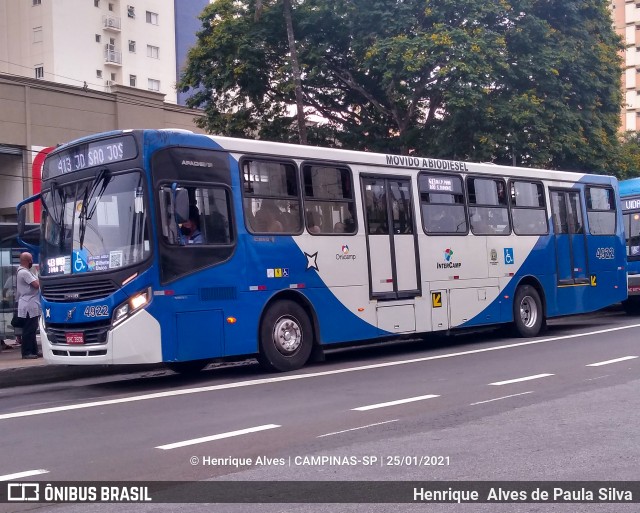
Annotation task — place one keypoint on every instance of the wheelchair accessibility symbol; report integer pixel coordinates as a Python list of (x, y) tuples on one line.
[(79, 261), (508, 256)]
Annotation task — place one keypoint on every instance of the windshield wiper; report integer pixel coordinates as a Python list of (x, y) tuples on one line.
[(102, 180)]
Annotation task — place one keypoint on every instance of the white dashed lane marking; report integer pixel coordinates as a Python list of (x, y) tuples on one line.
[(518, 380), (219, 436)]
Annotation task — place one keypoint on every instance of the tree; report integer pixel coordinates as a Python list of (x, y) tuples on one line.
[(295, 65), (630, 155), (533, 81), (558, 102)]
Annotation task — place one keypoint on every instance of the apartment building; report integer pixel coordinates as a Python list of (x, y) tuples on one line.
[(626, 19), (95, 44)]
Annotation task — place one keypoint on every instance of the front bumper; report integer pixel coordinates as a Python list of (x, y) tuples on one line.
[(137, 340)]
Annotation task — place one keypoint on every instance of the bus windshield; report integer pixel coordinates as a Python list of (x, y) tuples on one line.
[(98, 224), (632, 234)]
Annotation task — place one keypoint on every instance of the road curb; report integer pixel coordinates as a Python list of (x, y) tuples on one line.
[(42, 374)]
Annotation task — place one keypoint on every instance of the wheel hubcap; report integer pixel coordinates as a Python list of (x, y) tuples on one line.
[(528, 311), (287, 335)]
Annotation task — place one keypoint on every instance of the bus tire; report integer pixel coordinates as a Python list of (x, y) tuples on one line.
[(631, 305), (286, 337), (187, 368), (528, 315)]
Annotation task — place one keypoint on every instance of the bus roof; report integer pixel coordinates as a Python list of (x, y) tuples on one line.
[(629, 187), (251, 146)]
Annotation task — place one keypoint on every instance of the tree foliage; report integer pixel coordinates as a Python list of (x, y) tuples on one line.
[(630, 156), (531, 81)]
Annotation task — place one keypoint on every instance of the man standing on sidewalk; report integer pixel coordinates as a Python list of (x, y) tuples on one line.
[(28, 288)]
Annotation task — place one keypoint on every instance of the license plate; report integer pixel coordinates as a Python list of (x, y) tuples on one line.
[(75, 338)]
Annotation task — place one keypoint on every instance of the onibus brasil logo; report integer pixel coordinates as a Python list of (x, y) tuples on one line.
[(448, 264)]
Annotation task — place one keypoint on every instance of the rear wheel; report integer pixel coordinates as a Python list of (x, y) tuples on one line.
[(187, 368), (528, 314), (286, 337)]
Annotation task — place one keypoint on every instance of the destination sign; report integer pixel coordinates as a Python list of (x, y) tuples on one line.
[(631, 204), (89, 154)]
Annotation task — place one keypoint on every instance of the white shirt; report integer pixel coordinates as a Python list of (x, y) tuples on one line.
[(29, 297)]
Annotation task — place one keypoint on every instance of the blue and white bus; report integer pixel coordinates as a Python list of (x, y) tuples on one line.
[(301, 248), (630, 200)]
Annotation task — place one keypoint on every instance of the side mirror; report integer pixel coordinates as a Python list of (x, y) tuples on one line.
[(22, 220), (181, 203)]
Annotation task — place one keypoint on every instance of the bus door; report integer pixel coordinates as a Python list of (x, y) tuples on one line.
[(570, 237), (391, 238)]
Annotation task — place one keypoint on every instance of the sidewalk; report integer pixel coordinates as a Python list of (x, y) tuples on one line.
[(14, 371)]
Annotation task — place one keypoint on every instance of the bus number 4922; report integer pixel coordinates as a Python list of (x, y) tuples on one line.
[(605, 253)]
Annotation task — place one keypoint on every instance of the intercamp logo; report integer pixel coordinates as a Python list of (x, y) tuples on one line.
[(448, 264)]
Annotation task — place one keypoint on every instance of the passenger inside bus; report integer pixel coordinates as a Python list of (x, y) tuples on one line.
[(346, 226), (269, 218), (314, 222)]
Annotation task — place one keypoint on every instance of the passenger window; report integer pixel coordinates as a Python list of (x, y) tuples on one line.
[(328, 200), (528, 208), (601, 211), (488, 211), (442, 204), (271, 198)]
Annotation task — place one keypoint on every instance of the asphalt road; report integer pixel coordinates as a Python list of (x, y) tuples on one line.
[(560, 407)]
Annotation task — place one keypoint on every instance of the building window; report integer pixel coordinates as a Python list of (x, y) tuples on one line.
[(37, 35), (133, 80), (98, 38), (154, 85), (131, 11), (153, 52), (39, 71), (37, 2), (111, 7), (96, 3), (113, 76), (132, 46), (99, 73), (152, 17)]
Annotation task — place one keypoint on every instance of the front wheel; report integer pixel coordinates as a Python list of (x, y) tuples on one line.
[(286, 337), (528, 314)]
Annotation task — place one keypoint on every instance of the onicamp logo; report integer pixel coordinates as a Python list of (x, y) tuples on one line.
[(345, 254), (448, 264)]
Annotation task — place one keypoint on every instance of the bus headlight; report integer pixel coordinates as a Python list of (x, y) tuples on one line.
[(132, 305)]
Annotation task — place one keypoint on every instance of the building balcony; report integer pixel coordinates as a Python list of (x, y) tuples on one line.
[(111, 23), (112, 56)]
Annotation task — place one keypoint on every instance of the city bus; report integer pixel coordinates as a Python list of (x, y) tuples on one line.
[(301, 248), (630, 200)]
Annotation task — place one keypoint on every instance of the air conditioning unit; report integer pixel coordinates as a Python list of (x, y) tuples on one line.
[(111, 22), (110, 83), (131, 11)]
